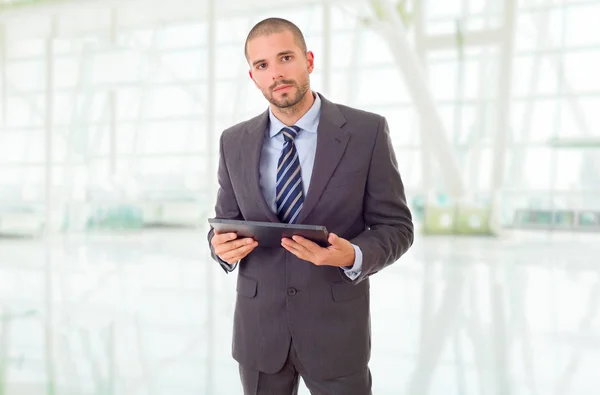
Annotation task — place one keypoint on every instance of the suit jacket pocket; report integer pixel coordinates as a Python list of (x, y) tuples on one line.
[(246, 286), (344, 291)]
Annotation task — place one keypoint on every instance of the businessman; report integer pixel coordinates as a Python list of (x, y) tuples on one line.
[(301, 309)]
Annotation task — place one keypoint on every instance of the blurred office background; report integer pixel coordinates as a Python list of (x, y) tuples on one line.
[(110, 115)]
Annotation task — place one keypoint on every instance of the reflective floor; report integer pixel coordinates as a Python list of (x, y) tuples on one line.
[(150, 314)]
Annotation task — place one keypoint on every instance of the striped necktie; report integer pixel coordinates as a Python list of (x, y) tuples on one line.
[(289, 195)]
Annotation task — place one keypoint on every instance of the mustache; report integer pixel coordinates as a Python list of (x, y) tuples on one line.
[(282, 82)]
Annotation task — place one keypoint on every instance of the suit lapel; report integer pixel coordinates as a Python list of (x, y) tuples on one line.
[(252, 149), (331, 144)]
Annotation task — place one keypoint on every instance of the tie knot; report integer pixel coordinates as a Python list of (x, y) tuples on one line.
[(290, 133)]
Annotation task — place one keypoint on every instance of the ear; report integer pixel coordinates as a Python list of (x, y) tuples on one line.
[(252, 78), (310, 58)]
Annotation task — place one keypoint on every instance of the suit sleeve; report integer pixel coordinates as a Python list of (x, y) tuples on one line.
[(226, 206), (389, 228)]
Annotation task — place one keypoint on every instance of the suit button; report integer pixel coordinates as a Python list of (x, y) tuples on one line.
[(292, 291)]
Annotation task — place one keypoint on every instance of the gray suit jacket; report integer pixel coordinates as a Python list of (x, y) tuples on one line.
[(355, 191)]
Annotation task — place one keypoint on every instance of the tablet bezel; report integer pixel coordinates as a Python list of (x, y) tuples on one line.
[(269, 234)]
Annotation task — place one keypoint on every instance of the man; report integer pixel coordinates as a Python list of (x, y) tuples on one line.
[(301, 309)]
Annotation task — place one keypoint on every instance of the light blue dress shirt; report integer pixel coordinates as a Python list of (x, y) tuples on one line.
[(306, 145)]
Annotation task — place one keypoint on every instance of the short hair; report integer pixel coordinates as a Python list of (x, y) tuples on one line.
[(275, 25)]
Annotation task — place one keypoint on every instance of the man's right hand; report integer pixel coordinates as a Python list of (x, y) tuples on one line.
[(231, 249)]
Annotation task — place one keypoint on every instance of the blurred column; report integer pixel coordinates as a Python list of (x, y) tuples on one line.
[(326, 48), (355, 64), (112, 102), (560, 83), (520, 151), (211, 178), (4, 354), (49, 226), (500, 363), (504, 98), (49, 95), (111, 359), (3, 79), (211, 97), (426, 158)]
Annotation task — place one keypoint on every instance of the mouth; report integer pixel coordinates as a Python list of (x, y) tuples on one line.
[(282, 88)]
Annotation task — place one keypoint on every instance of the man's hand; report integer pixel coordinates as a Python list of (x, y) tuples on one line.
[(340, 253), (231, 249)]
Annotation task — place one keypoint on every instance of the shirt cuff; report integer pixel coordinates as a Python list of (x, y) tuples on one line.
[(354, 271), (227, 266)]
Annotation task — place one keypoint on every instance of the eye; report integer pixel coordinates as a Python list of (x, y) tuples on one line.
[(286, 58), (261, 66)]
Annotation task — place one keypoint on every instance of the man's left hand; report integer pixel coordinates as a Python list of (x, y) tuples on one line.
[(340, 253)]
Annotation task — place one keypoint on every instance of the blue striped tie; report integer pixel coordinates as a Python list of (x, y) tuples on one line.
[(289, 195)]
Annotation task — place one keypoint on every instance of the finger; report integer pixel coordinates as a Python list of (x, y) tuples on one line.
[(336, 241), (221, 238), (235, 259), (232, 245), (310, 250), (297, 254), (244, 254), (246, 249), (309, 245), (300, 252), (291, 246), (333, 239)]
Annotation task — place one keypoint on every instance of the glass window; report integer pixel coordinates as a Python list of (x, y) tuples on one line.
[(24, 48), (540, 29), (585, 110), (183, 35), (374, 49), (582, 26), (579, 69), (25, 75), (176, 67), (535, 75), (447, 9), (231, 62), (536, 168), (25, 110), (380, 87), (404, 126), (170, 101), (568, 169), (534, 121), (442, 79)]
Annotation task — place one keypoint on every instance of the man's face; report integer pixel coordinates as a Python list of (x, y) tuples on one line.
[(279, 68)]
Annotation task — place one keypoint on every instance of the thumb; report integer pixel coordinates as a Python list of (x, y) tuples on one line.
[(333, 239)]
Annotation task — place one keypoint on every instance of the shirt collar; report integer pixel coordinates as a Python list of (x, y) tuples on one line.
[(308, 122)]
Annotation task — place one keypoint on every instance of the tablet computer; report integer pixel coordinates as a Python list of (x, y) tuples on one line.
[(269, 234)]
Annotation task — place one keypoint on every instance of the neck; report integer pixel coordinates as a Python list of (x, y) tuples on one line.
[(290, 115)]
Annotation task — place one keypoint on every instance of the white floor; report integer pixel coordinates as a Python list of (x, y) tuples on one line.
[(150, 314)]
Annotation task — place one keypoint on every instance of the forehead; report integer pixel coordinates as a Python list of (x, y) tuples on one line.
[(269, 45)]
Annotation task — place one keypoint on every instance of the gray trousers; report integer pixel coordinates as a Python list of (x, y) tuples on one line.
[(286, 381)]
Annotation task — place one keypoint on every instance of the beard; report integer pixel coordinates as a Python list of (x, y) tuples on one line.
[(288, 99)]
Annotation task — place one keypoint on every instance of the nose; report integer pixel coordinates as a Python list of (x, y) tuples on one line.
[(277, 73)]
